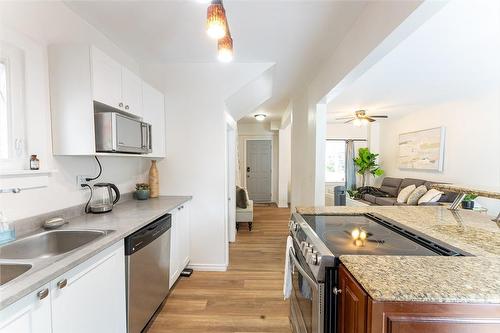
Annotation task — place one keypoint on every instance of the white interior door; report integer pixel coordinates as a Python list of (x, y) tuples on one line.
[(259, 169)]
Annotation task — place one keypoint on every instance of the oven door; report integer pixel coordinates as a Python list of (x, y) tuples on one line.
[(306, 312)]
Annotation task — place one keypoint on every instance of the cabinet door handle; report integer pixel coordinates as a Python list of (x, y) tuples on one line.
[(63, 283), (126, 107), (42, 294), (337, 291), (120, 104)]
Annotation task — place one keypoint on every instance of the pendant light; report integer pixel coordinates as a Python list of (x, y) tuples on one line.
[(225, 48), (216, 20)]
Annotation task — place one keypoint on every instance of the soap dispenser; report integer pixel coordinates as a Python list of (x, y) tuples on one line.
[(7, 231)]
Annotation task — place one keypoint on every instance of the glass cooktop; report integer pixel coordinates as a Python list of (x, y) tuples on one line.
[(368, 234)]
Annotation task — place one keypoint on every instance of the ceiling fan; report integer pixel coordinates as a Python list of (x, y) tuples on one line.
[(360, 118)]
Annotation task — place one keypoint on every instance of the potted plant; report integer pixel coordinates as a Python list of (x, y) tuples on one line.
[(468, 201), (142, 191), (366, 163)]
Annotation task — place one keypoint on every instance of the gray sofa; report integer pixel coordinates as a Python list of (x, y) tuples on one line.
[(392, 186)]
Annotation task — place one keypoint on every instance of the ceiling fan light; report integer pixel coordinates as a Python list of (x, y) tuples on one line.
[(357, 122), (225, 49), (216, 21), (260, 117)]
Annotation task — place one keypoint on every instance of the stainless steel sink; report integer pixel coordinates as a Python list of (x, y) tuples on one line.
[(9, 272), (49, 243)]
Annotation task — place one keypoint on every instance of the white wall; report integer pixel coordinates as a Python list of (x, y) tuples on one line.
[(31, 27), (471, 142), (285, 150), (259, 130), (359, 48), (196, 147), (346, 131)]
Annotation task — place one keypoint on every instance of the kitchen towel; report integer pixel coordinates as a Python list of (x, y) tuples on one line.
[(287, 282)]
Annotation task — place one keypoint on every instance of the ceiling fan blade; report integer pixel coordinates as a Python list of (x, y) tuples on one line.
[(346, 122), (344, 118), (371, 120), (379, 116)]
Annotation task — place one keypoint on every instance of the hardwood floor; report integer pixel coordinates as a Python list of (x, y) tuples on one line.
[(246, 298)]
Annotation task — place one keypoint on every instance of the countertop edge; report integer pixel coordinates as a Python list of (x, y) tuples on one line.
[(82, 254)]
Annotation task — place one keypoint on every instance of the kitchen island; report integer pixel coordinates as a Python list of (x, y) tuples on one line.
[(423, 293)]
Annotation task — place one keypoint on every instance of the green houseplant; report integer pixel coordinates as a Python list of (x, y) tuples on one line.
[(142, 191), (468, 201), (366, 162)]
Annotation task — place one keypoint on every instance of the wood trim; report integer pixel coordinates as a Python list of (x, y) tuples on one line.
[(413, 317)]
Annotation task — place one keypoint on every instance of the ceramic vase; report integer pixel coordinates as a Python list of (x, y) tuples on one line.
[(154, 187)]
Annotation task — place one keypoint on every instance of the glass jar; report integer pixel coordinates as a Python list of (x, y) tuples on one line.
[(34, 163)]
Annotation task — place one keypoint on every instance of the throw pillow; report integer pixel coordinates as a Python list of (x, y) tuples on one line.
[(241, 198), (432, 195), (405, 193), (416, 194)]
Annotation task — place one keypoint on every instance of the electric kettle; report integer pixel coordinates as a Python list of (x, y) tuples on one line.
[(101, 200)]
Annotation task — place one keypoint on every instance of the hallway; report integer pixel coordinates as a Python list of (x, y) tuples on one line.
[(246, 298)]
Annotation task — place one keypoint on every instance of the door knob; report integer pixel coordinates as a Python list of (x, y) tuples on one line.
[(248, 169)]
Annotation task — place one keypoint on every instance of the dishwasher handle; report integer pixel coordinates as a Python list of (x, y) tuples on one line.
[(147, 234)]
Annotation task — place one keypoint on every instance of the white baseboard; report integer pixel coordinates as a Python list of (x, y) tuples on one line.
[(208, 267), (282, 206)]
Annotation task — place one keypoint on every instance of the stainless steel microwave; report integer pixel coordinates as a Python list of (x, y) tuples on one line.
[(117, 133)]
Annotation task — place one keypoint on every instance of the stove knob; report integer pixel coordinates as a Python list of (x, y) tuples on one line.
[(312, 258), (303, 245)]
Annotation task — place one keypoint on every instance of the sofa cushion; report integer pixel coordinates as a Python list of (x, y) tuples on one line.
[(409, 181), (405, 193), (446, 196), (416, 194), (432, 195), (391, 185), (385, 201), (369, 197)]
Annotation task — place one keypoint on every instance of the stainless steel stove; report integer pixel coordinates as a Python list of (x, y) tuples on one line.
[(319, 240)]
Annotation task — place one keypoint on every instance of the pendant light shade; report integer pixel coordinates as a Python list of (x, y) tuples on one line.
[(216, 20), (225, 48)]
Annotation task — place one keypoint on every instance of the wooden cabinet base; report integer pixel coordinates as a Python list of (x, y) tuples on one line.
[(359, 313)]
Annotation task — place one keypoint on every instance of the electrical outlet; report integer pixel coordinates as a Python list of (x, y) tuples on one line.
[(81, 180)]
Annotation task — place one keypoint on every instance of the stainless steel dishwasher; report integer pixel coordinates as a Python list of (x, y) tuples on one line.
[(147, 253)]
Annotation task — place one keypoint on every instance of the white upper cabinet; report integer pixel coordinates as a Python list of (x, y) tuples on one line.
[(82, 78), (131, 92), (154, 113), (106, 79)]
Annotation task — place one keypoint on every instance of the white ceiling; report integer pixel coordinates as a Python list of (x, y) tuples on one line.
[(455, 53), (295, 35)]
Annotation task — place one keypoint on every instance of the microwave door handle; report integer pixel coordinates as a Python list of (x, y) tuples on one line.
[(150, 138), (143, 136)]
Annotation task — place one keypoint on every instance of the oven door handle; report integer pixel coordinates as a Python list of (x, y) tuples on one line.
[(296, 263)]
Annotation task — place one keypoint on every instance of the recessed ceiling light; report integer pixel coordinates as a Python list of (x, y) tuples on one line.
[(260, 116)]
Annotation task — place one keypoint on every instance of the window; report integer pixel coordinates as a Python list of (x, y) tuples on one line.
[(4, 120), (335, 161), (12, 108)]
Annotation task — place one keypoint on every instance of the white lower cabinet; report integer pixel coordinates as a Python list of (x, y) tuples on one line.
[(180, 241), (31, 314), (88, 298), (91, 297)]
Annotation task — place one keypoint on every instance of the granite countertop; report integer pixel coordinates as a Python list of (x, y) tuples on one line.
[(126, 218), (487, 193), (474, 279)]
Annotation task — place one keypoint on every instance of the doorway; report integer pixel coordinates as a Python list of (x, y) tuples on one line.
[(259, 170)]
